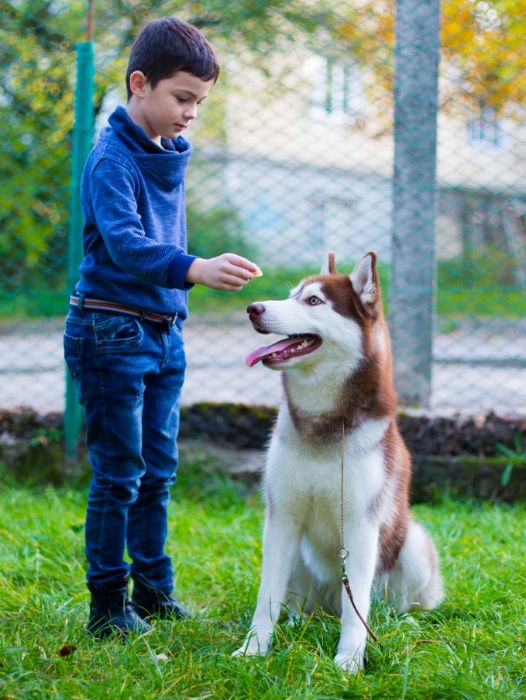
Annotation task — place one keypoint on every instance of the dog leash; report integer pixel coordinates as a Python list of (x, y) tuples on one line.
[(344, 552)]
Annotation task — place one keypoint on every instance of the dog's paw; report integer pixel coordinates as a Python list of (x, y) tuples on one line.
[(349, 661), (251, 647)]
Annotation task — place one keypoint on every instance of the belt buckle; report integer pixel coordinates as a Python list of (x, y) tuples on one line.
[(171, 319)]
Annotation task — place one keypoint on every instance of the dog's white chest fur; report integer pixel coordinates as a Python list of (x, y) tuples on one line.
[(302, 471), (305, 480)]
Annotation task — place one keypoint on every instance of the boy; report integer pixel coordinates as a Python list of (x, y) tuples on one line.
[(122, 340)]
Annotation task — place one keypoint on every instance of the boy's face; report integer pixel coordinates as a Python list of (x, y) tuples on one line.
[(168, 108)]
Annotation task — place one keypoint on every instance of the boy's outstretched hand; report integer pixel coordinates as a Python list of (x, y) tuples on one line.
[(229, 272)]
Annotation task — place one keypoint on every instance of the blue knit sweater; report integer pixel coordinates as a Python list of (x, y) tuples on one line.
[(134, 239)]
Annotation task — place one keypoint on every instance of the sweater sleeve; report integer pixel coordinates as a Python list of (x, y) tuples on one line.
[(113, 195)]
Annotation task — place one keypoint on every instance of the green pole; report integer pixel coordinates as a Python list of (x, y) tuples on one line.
[(81, 145)]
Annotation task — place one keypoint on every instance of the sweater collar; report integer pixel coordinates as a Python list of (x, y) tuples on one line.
[(167, 165)]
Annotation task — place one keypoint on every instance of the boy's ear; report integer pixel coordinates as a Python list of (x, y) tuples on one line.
[(138, 83)]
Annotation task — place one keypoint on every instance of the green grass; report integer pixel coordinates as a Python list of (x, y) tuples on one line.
[(472, 646), (473, 292), (455, 298)]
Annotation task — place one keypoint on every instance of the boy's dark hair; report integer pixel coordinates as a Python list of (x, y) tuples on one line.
[(165, 46)]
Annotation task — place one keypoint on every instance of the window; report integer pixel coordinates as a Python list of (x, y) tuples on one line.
[(336, 90), (486, 130)]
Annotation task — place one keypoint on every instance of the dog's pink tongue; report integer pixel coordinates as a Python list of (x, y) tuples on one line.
[(259, 354)]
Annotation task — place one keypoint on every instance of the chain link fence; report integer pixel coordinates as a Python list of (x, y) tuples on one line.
[(296, 152)]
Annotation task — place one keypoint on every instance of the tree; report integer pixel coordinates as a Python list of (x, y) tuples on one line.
[(483, 56), (482, 42), (37, 39)]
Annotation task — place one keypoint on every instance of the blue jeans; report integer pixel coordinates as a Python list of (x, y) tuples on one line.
[(129, 375)]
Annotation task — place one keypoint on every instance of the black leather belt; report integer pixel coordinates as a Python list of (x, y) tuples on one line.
[(103, 305)]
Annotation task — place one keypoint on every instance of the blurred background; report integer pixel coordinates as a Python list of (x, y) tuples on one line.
[(296, 152)]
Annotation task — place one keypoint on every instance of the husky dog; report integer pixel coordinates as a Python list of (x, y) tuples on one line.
[(337, 425)]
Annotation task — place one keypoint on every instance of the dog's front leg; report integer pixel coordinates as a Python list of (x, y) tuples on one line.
[(362, 543), (280, 543)]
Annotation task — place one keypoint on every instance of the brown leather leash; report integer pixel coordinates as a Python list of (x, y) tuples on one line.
[(344, 552)]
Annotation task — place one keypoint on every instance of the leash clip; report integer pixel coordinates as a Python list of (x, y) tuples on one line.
[(343, 553)]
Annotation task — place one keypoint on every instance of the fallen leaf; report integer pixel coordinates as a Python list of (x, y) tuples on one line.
[(67, 650)]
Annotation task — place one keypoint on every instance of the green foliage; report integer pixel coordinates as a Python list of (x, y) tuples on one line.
[(471, 647), (32, 302), (516, 458), (477, 294), (35, 123), (276, 283), (37, 39), (483, 290), (480, 283), (487, 267), (481, 45), (215, 231), (483, 296)]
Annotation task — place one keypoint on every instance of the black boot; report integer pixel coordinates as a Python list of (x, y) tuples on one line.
[(112, 611), (150, 602)]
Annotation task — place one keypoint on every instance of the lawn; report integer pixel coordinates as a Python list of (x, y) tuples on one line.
[(472, 646), (477, 292), (457, 296)]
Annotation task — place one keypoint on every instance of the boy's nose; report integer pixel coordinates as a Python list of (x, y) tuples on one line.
[(191, 112)]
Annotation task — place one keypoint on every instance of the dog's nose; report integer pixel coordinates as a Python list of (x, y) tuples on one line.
[(255, 309)]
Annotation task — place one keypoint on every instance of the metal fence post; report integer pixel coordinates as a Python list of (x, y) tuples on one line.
[(81, 145), (411, 298)]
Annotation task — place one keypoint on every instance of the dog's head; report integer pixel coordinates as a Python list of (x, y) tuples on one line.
[(328, 317)]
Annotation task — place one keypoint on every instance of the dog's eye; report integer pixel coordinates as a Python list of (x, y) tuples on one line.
[(314, 300)]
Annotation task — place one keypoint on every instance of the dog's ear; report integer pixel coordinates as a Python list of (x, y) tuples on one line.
[(364, 280), (328, 266)]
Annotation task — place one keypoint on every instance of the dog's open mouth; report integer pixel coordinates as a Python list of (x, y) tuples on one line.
[(284, 350)]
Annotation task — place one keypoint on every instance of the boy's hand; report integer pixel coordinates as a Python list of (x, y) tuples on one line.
[(228, 272)]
